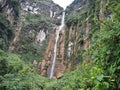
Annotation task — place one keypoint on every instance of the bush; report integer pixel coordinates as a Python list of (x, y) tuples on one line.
[(86, 77), (16, 75)]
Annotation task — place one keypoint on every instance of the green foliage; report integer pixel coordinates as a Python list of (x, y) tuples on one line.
[(31, 51), (14, 5), (105, 36), (6, 29), (14, 63), (71, 20), (102, 74), (35, 19), (16, 75), (6, 32), (86, 77), (105, 51)]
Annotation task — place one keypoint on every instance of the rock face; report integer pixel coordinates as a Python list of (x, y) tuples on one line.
[(9, 14), (8, 7), (78, 37), (76, 6), (46, 7), (40, 36), (17, 33), (41, 18), (73, 41), (35, 35), (60, 65)]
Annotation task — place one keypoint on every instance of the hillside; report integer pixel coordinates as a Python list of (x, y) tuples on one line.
[(43, 47), (40, 17)]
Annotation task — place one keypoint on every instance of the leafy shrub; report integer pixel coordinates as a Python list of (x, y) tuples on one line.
[(16, 75), (86, 77), (106, 51)]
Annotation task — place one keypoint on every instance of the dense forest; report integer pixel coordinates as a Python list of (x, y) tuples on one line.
[(88, 47)]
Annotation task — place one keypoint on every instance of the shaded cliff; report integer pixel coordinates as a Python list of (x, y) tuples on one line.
[(41, 17), (11, 9), (9, 15), (77, 23), (82, 25)]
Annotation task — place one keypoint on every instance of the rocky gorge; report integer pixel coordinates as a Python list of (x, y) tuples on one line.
[(44, 47)]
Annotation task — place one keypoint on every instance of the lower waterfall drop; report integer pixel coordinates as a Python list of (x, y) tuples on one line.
[(55, 46)]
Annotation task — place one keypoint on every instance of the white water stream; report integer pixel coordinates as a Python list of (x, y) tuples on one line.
[(55, 46)]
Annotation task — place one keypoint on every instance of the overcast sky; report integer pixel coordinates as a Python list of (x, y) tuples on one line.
[(63, 3)]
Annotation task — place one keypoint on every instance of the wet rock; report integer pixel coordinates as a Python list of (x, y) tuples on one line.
[(43, 63), (46, 64), (44, 73), (54, 78), (59, 75)]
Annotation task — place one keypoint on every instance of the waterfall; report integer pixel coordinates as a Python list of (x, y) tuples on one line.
[(55, 46), (51, 13)]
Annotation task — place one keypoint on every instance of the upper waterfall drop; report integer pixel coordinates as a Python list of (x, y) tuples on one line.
[(62, 21), (55, 46)]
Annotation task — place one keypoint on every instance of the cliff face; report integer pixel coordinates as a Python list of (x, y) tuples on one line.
[(11, 9), (61, 65), (35, 35), (73, 41), (83, 23), (41, 17), (75, 6), (76, 37), (78, 26), (46, 7), (9, 14)]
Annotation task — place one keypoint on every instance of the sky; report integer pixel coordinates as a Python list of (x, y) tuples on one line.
[(63, 3)]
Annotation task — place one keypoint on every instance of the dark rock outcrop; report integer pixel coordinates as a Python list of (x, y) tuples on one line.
[(9, 15), (10, 9)]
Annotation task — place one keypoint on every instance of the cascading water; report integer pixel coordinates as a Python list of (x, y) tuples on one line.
[(55, 46)]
